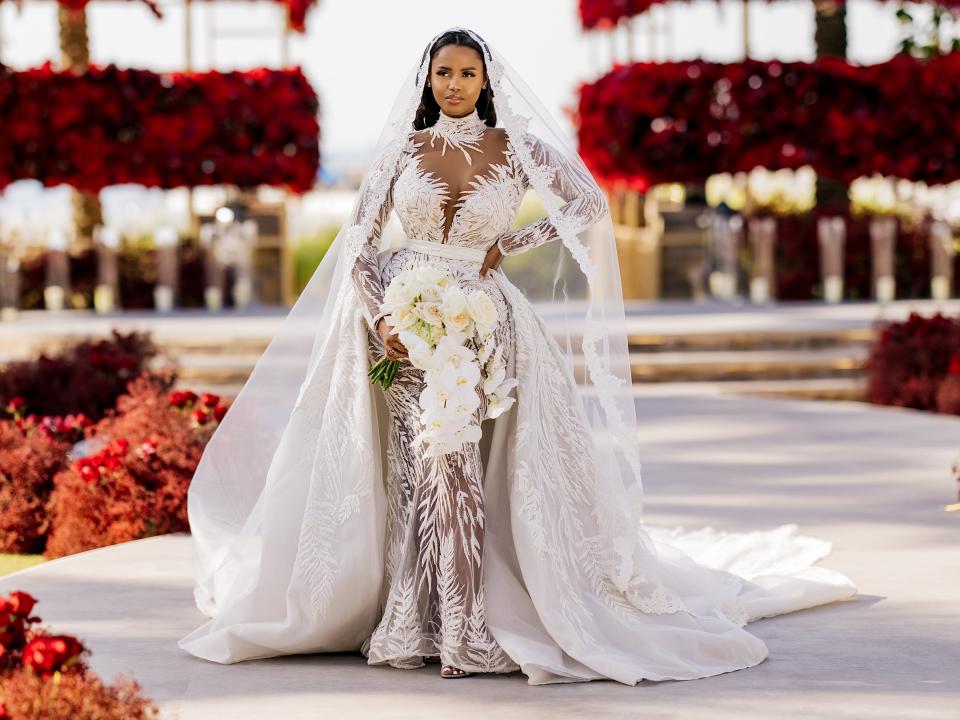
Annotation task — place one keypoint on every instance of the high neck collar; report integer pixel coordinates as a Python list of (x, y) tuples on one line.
[(469, 122), (461, 133)]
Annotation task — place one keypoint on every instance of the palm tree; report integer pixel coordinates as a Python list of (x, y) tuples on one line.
[(830, 39), (75, 57)]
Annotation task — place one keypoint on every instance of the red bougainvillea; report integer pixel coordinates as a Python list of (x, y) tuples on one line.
[(111, 125), (916, 364), (646, 123)]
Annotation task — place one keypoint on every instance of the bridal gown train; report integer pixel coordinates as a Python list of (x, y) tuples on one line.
[(506, 554)]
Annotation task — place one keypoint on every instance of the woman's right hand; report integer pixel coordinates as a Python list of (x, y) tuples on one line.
[(392, 346)]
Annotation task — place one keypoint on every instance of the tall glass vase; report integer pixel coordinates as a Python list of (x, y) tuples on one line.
[(942, 252), (106, 294), (831, 233), (165, 239), (725, 235), (9, 278), (213, 270), (234, 243), (57, 285), (883, 238), (762, 232)]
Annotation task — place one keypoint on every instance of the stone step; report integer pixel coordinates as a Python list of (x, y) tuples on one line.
[(203, 371), (853, 389), (220, 339), (811, 389), (741, 365), (751, 340)]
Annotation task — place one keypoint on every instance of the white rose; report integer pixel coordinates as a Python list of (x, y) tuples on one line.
[(399, 292), (482, 310), (455, 313), (402, 318), (430, 312)]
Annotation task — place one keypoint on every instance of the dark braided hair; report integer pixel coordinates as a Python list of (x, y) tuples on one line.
[(429, 111)]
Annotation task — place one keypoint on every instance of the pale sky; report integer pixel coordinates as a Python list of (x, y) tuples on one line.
[(356, 52)]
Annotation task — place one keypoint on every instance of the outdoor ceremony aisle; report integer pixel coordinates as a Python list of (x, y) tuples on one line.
[(872, 480)]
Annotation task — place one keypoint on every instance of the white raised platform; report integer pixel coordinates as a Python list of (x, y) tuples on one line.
[(872, 480)]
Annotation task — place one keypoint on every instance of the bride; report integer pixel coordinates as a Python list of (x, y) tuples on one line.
[(320, 524)]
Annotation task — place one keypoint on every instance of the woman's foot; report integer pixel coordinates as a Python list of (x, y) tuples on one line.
[(433, 659), (449, 671)]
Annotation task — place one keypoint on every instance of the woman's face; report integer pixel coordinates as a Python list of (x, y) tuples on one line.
[(456, 78)]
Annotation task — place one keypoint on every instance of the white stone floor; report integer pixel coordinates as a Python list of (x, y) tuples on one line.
[(872, 480)]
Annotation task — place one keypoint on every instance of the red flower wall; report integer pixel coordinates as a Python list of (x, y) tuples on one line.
[(646, 123), (297, 9), (112, 125), (604, 14)]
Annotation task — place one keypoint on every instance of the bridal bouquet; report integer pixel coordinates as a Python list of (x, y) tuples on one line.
[(449, 335)]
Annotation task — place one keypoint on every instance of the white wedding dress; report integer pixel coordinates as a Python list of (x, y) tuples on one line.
[(516, 552)]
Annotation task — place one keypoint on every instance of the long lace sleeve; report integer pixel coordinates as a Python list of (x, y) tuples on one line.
[(585, 202), (366, 271)]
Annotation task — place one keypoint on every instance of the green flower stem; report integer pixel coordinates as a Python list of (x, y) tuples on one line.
[(384, 371)]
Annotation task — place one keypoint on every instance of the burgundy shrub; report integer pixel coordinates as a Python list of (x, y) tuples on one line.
[(910, 361), (85, 378)]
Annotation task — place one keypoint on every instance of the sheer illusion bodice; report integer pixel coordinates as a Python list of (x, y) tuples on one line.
[(458, 185), (468, 196)]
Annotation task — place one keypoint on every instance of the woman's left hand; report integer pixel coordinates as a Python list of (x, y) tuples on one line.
[(492, 260)]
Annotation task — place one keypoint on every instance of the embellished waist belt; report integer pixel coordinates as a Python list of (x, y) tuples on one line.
[(456, 252)]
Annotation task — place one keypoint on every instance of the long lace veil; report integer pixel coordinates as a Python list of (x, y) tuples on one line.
[(574, 284)]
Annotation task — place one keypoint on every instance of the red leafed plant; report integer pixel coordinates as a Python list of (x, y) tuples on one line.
[(46, 677), (136, 484), (916, 364), (29, 459)]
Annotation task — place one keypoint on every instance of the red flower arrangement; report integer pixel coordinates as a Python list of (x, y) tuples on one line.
[(136, 484), (916, 364), (605, 14), (297, 9), (167, 130), (646, 123), (47, 677)]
